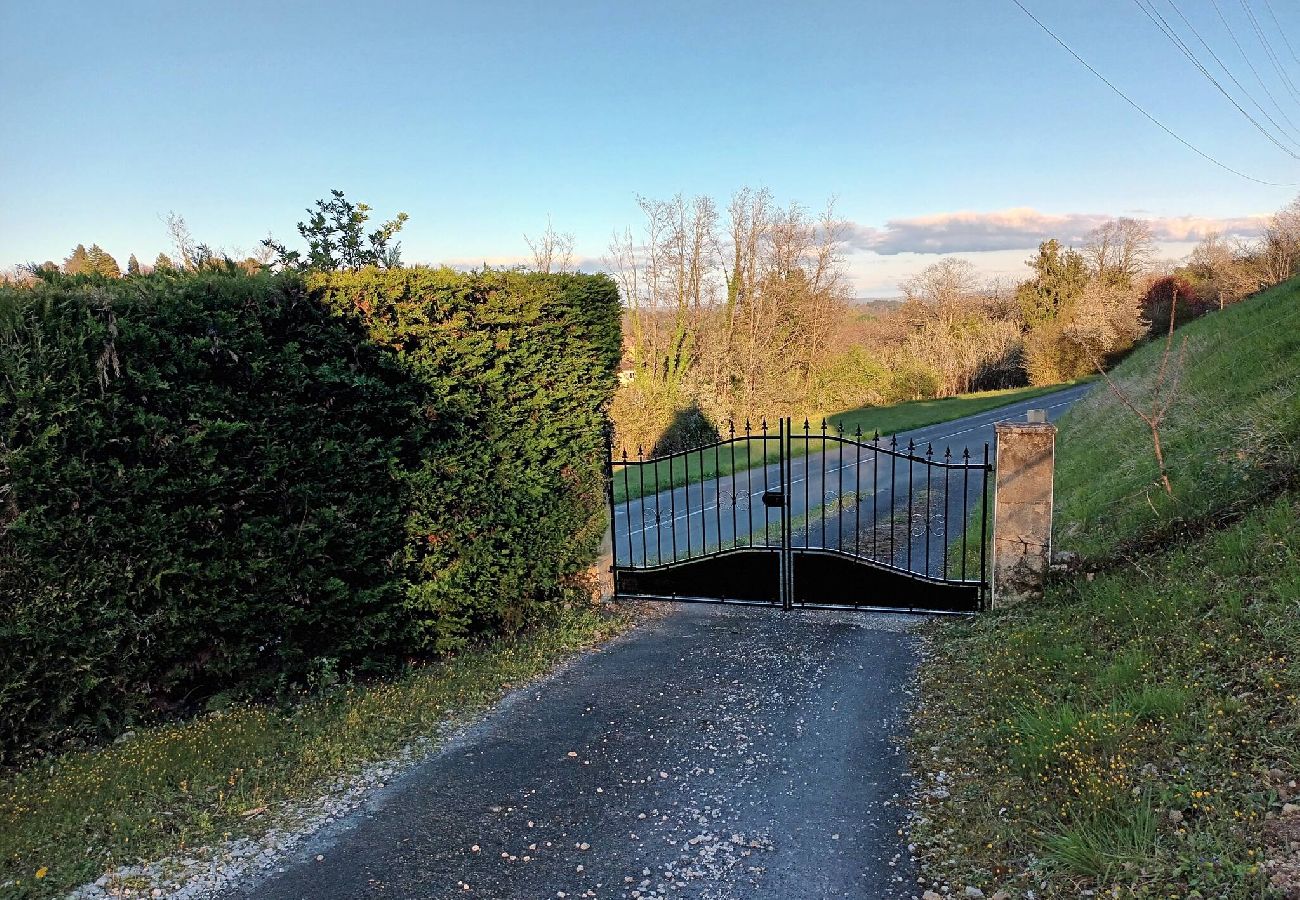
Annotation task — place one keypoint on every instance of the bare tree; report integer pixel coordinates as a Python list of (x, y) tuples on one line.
[(182, 240), (1120, 249), (1280, 256), (552, 251), (1163, 393)]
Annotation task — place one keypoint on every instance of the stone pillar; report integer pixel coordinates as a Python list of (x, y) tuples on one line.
[(1022, 510)]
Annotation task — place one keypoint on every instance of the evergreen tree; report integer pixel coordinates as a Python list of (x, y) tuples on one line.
[(78, 263), (133, 265), (163, 263), (102, 262)]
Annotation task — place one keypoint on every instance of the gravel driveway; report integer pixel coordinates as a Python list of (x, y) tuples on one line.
[(717, 752)]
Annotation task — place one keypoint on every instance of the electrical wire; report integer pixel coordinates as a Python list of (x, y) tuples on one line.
[(1133, 103), (1161, 23), (1282, 31), (1245, 56), (1224, 66), (1268, 50)]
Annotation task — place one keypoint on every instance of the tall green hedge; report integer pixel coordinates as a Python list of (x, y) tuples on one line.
[(224, 484)]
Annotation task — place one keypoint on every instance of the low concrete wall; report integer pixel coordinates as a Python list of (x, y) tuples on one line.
[(1022, 511)]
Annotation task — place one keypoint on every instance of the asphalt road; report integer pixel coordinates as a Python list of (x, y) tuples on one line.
[(718, 753), (838, 499)]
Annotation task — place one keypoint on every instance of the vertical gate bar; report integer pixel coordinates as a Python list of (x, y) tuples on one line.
[(911, 459), (947, 461), (839, 499), (672, 507), (640, 458), (807, 485), (822, 497), (984, 523), (787, 525), (749, 482), (893, 513), (717, 489), (767, 513), (857, 491), (627, 507), (731, 438), (686, 497), (965, 502), (875, 497), (609, 494), (659, 518), (929, 504), (780, 555)]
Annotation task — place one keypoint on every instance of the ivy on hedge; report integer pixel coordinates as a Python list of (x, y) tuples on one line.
[(221, 483)]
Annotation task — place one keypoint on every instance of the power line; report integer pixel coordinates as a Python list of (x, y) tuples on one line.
[(1268, 50), (1133, 103), (1281, 31), (1161, 23), (1246, 56), (1222, 65)]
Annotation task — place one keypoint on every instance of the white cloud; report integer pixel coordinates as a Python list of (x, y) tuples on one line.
[(1022, 228)]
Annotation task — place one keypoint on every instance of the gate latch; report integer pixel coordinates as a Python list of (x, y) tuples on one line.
[(773, 498)]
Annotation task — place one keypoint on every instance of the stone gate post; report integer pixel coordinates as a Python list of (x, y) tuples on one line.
[(1022, 510)]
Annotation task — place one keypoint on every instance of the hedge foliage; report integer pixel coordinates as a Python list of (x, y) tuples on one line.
[(226, 484)]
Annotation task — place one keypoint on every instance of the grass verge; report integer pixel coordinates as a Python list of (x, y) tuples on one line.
[(1134, 734), (177, 788), (919, 413)]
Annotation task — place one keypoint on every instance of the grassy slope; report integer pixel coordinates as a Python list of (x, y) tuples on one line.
[(1135, 730), (175, 789), (886, 420), (1234, 426)]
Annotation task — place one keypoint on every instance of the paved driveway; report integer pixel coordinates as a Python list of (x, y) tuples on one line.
[(718, 752)]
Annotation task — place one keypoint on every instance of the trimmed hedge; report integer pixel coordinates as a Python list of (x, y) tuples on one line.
[(222, 485)]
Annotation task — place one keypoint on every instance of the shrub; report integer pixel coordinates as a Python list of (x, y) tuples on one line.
[(514, 373), (1159, 299), (200, 493), (228, 484)]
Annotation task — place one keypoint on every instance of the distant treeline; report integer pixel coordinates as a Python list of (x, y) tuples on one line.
[(746, 315)]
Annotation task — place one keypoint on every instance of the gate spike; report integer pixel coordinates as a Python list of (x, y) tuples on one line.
[(640, 452), (731, 428), (764, 425), (893, 441), (823, 427), (911, 447), (947, 454), (929, 451), (747, 428), (965, 454), (857, 431), (624, 456), (805, 424)]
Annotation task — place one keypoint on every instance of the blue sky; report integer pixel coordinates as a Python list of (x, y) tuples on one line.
[(480, 119)]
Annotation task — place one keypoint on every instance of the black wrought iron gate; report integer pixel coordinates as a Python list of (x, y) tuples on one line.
[(740, 521)]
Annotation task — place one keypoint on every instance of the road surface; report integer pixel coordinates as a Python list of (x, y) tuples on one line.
[(720, 752)]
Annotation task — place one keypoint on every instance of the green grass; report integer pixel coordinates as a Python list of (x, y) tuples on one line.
[(1231, 435), (1125, 735), (886, 420), (919, 413), (175, 789), (691, 468), (1072, 730)]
